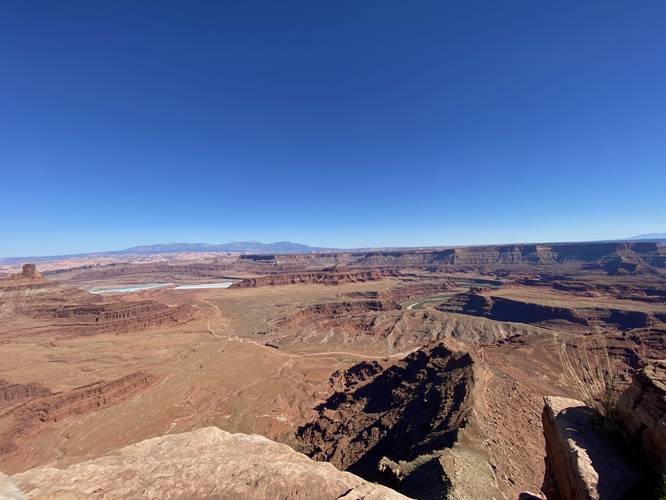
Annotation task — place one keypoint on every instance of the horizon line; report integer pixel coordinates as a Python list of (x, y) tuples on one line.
[(659, 237)]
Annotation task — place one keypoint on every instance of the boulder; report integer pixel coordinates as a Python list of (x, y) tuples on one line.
[(642, 413), (583, 460), (204, 463)]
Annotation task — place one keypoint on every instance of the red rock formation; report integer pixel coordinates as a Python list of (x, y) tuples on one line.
[(642, 412), (121, 317), (204, 463), (323, 277), (614, 258), (504, 309), (344, 379), (644, 291), (332, 310), (407, 413), (584, 461), (396, 295), (28, 417), (399, 328), (30, 272), (71, 311), (12, 393)]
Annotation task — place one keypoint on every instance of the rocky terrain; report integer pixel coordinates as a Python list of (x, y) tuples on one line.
[(43, 408), (501, 308), (587, 458), (614, 259), (60, 309), (323, 277), (422, 370), (205, 463), (396, 422)]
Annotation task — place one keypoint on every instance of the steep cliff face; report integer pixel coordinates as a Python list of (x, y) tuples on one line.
[(644, 291), (39, 407), (12, 393), (584, 461), (399, 329), (333, 310), (505, 309), (71, 312), (642, 411), (202, 464), (322, 277), (497, 255), (152, 270), (408, 414), (396, 295), (611, 258), (614, 258), (120, 317), (393, 297)]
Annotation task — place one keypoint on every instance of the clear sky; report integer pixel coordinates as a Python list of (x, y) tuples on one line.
[(333, 123)]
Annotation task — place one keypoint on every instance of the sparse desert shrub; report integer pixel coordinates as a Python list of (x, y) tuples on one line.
[(589, 370)]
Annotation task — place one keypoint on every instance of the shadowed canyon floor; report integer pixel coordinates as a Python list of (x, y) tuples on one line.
[(422, 370)]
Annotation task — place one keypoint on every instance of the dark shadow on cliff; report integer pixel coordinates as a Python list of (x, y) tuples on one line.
[(408, 413)]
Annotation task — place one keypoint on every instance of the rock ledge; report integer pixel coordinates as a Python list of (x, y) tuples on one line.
[(204, 463)]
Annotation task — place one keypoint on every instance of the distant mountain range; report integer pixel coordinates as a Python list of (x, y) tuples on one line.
[(234, 246), (650, 236), (248, 247)]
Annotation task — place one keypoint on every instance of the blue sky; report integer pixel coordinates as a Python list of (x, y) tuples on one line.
[(338, 124)]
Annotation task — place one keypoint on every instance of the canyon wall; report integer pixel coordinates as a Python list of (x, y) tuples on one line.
[(505, 309)]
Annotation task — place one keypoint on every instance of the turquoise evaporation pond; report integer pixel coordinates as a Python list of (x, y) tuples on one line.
[(129, 288), (148, 286), (222, 284)]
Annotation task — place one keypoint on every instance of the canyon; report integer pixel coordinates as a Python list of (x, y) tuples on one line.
[(416, 373)]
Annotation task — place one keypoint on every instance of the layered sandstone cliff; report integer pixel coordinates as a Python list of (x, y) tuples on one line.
[(499, 308), (30, 409), (54, 308), (612, 258), (321, 277)]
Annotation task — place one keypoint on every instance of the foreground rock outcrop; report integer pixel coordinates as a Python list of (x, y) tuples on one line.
[(642, 412), (584, 461), (205, 463)]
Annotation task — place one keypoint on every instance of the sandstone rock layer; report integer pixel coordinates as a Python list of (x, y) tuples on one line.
[(583, 460), (642, 410), (207, 463)]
